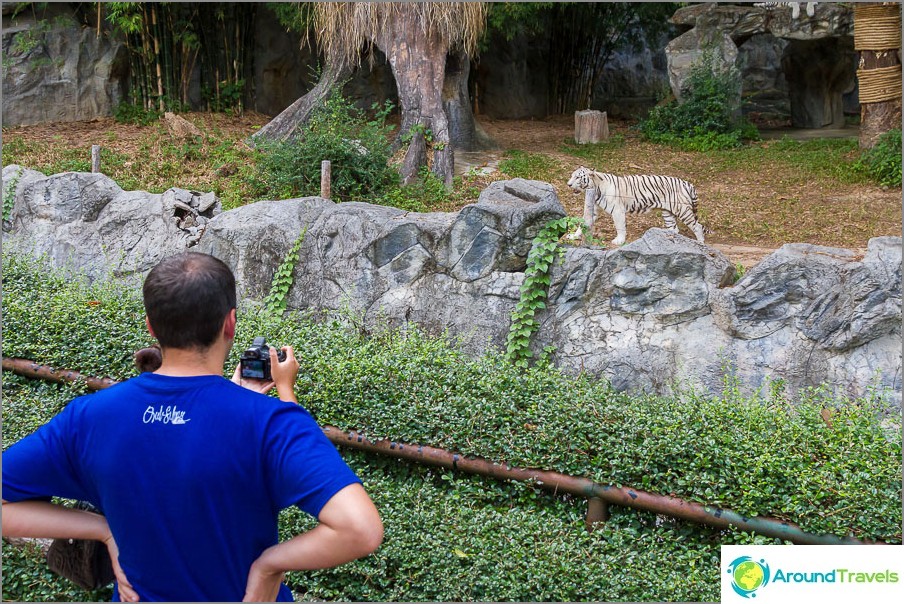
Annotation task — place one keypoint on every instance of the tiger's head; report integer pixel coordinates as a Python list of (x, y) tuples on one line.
[(581, 179)]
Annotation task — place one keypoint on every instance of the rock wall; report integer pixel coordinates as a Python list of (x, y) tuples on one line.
[(658, 312), (59, 71)]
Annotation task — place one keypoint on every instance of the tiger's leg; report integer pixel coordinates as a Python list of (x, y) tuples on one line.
[(698, 231), (671, 223), (689, 217), (621, 229)]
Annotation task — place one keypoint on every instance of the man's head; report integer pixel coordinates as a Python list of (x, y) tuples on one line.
[(187, 298)]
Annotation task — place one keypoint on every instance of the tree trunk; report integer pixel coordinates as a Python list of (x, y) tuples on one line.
[(878, 118), (286, 125), (465, 132), (418, 62), (877, 36)]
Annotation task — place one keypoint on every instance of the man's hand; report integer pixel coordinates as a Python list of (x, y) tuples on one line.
[(284, 373), (126, 592), (263, 583), (262, 386)]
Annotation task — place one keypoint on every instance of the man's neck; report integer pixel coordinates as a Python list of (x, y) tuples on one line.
[(178, 362)]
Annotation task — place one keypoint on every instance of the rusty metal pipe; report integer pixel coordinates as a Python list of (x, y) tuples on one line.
[(552, 481), (33, 370)]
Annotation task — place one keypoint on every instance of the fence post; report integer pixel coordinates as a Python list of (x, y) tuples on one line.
[(95, 158), (325, 179)]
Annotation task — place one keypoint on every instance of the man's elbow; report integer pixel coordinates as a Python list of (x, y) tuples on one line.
[(368, 535)]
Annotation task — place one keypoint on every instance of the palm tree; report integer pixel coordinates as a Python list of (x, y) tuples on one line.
[(417, 39)]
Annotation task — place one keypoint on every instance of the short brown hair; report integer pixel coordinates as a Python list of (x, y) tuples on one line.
[(187, 297)]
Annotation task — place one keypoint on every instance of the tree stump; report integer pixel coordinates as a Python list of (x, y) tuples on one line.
[(590, 126)]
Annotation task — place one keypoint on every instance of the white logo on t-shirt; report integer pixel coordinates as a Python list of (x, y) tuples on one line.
[(170, 415)]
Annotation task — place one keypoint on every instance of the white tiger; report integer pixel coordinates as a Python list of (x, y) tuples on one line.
[(635, 194), (795, 7)]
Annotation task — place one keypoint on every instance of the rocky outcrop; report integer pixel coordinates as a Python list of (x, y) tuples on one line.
[(818, 61), (86, 222), (57, 71), (658, 313)]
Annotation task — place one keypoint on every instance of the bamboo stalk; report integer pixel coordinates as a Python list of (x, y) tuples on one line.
[(157, 60)]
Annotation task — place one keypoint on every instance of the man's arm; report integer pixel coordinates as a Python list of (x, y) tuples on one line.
[(349, 528), (44, 520)]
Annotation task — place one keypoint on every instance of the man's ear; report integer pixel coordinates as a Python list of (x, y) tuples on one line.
[(147, 322), (229, 325)]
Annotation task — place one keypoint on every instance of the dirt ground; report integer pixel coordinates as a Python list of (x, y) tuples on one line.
[(547, 136), (751, 212)]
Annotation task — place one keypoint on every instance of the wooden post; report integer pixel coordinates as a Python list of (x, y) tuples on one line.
[(597, 513), (325, 179), (95, 158), (590, 126)]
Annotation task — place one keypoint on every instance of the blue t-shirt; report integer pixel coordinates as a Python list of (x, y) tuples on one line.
[(191, 473)]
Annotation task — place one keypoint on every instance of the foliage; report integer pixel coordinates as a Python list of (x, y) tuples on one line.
[(740, 271), (543, 253), (357, 147), (454, 537), (166, 42), (883, 161), (709, 117), (9, 193), (275, 302), (130, 113)]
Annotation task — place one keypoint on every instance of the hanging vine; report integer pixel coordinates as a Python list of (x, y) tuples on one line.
[(535, 289)]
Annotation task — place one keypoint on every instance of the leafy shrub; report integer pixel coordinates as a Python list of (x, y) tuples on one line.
[(131, 113), (455, 537), (337, 131), (883, 161), (708, 118)]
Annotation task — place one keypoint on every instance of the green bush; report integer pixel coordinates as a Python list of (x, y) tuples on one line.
[(455, 537), (883, 161), (357, 148), (708, 118), (131, 113), (421, 195)]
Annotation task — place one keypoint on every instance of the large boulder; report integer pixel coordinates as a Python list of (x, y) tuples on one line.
[(55, 70), (86, 222)]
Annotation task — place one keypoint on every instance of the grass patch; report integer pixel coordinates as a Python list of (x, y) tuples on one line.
[(532, 166)]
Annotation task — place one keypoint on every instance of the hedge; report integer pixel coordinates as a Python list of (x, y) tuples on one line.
[(454, 537)]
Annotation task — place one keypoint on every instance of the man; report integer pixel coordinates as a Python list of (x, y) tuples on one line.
[(189, 468)]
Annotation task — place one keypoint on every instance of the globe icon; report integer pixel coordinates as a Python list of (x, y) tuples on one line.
[(749, 575)]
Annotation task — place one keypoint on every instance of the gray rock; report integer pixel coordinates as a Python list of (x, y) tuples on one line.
[(86, 222), (60, 72)]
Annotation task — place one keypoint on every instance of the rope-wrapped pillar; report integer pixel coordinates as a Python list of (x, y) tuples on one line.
[(877, 37)]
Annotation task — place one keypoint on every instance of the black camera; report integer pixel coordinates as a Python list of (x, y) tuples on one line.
[(255, 361)]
